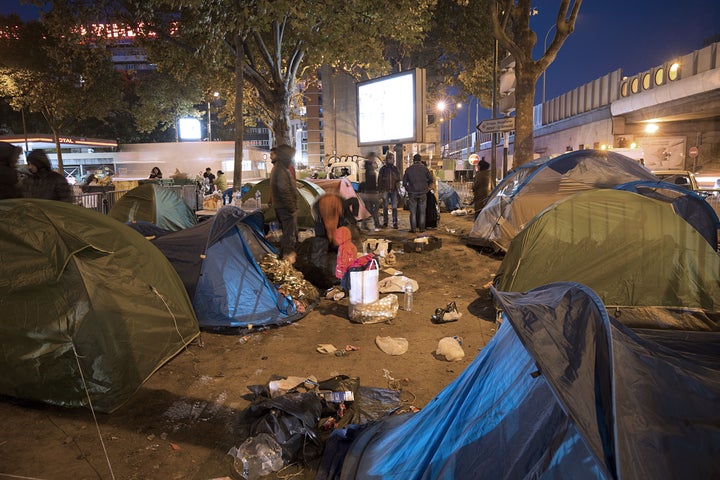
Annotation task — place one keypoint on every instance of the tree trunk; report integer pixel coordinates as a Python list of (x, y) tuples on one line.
[(56, 138), (239, 118), (524, 95), (281, 122)]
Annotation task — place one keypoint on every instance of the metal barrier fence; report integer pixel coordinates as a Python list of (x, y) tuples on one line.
[(102, 202)]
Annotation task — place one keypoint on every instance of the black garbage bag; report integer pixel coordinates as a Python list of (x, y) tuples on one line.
[(291, 419)]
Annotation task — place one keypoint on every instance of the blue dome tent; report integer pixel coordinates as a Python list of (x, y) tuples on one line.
[(562, 391), (218, 262)]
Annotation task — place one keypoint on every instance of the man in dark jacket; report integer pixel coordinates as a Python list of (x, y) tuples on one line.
[(387, 185), (481, 185), (9, 185), (284, 195), (43, 182), (417, 181)]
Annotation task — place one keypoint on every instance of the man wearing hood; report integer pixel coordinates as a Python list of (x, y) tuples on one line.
[(284, 195), (9, 184), (43, 182)]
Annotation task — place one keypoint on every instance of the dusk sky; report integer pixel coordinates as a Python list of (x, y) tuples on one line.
[(631, 35)]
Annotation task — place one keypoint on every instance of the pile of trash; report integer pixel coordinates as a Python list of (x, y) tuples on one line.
[(291, 418)]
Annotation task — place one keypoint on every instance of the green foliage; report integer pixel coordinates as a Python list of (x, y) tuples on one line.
[(46, 69)]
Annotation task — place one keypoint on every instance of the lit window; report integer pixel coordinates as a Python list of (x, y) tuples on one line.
[(646, 81), (674, 71), (635, 85), (624, 89), (659, 76)]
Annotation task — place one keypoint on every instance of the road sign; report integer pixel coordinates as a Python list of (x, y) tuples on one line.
[(474, 159), (693, 152), (497, 125)]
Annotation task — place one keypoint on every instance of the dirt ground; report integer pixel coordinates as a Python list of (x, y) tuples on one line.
[(184, 419)]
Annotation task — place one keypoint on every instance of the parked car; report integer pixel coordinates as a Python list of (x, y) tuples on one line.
[(683, 178)]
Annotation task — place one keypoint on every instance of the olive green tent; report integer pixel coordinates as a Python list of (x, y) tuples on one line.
[(155, 204), (307, 193), (90, 308), (630, 249)]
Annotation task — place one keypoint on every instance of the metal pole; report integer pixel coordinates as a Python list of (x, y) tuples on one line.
[(545, 71), (493, 152), (209, 124)]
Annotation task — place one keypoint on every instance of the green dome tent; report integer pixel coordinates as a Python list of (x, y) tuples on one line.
[(307, 193), (90, 308), (630, 249), (532, 187), (155, 204)]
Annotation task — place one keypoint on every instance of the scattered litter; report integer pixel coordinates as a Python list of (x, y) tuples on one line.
[(460, 212), (396, 284), (392, 346), (392, 271), (326, 348), (282, 386), (383, 310), (445, 315), (451, 349), (257, 456), (335, 294)]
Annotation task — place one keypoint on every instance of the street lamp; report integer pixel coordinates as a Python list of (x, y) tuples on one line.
[(545, 50), (441, 106), (216, 94)]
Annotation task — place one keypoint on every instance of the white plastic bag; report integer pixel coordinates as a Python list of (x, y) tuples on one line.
[(364, 285), (450, 348), (257, 456)]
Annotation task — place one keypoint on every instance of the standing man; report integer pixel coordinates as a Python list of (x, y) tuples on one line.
[(369, 192), (417, 181), (388, 179), (43, 182), (481, 185), (284, 196)]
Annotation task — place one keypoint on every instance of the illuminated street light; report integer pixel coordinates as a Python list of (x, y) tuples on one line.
[(651, 128)]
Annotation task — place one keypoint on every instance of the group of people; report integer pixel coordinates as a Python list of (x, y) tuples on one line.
[(40, 181), (384, 188), (209, 182)]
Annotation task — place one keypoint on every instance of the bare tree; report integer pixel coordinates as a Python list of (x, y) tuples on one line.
[(511, 28)]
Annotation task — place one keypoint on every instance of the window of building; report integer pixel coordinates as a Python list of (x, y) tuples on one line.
[(659, 76), (624, 89), (674, 71), (635, 85), (646, 81)]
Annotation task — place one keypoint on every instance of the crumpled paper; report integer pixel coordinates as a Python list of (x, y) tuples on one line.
[(392, 345), (396, 284)]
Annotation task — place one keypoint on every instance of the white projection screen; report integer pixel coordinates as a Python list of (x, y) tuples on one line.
[(391, 108)]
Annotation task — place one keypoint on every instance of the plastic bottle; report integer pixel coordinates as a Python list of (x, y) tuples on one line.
[(258, 456), (258, 198), (408, 290), (238, 199)]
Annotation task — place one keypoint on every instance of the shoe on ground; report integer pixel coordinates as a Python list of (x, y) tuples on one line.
[(384, 225), (375, 229), (395, 226), (412, 230)]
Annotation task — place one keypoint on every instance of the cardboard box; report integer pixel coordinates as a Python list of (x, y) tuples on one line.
[(412, 246)]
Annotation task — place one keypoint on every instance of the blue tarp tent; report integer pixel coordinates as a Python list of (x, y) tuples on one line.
[(448, 196), (218, 261), (561, 391)]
